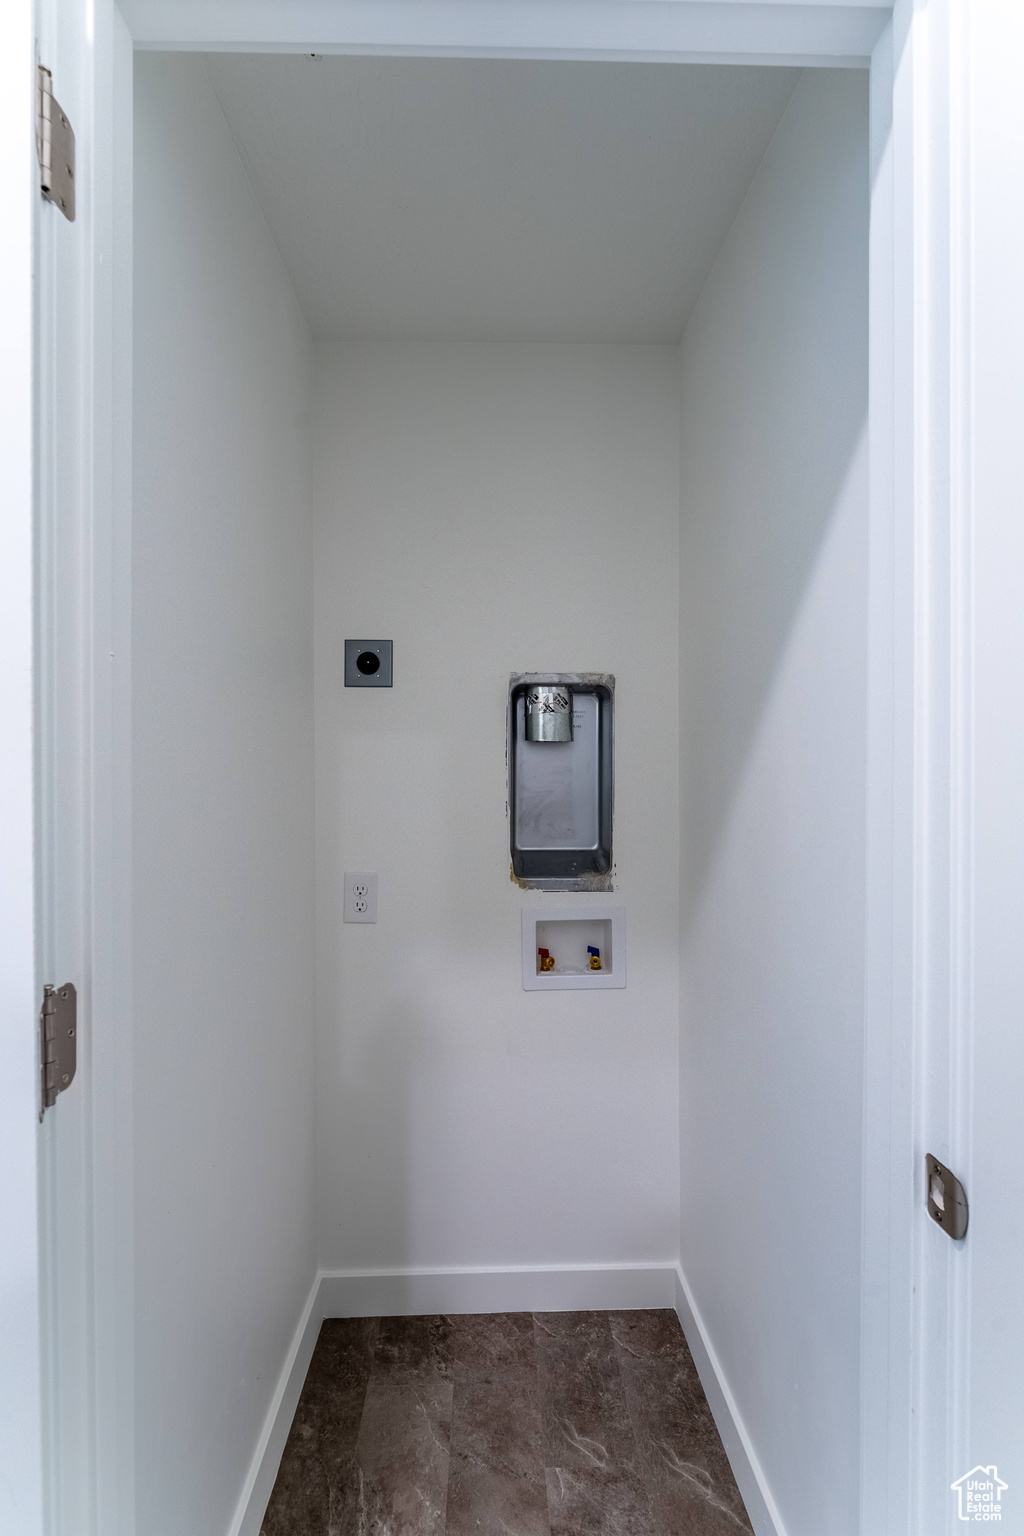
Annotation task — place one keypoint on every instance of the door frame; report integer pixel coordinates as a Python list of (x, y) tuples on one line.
[(919, 628), (21, 1440)]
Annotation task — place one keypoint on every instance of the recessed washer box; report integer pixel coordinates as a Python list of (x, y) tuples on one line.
[(566, 932)]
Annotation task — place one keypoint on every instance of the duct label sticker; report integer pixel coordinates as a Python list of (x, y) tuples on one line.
[(980, 1494)]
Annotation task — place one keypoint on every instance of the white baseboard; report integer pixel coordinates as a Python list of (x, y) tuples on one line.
[(259, 1482), (408, 1293), (761, 1507)]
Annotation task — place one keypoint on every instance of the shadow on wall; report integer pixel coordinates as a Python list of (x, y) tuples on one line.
[(774, 407)]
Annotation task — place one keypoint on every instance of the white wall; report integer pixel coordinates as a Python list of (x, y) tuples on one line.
[(491, 508), (223, 809), (773, 491)]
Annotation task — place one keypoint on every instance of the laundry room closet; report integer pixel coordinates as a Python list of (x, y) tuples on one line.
[(504, 369)]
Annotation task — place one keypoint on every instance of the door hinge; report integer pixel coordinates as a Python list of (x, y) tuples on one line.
[(58, 1026), (55, 145), (947, 1199)]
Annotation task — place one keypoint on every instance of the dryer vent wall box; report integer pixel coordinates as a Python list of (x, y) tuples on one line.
[(573, 948), (560, 780)]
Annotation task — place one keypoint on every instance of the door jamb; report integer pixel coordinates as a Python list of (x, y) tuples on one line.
[(21, 1438)]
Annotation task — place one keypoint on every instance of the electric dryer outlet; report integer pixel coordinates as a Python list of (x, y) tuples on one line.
[(360, 897)]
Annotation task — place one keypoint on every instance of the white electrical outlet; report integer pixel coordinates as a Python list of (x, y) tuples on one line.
[(360, 898)]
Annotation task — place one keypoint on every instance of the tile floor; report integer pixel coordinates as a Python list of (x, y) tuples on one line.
[(514, 1424)]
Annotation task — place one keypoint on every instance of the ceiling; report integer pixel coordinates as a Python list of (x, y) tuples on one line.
[(512, 200)]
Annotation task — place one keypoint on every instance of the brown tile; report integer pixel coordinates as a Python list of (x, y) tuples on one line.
[(341, 1363), (496, 1481), (593, 1503), (685, 1498), (488, 1344), (497, 1424), (583, 1402), (413, 1349), (589, 1331), (301, 1500), (689, 1480), (319, 1508), (482, 1502), (343, 1352), (316, 1469), (650, 1334), (567, 1424), (315, 1478), (402, 1457)]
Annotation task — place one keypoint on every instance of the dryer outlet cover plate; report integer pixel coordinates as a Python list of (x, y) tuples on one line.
[(368, 664)]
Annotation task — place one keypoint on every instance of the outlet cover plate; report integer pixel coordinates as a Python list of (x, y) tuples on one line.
[(360, 897), (356, 677)]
